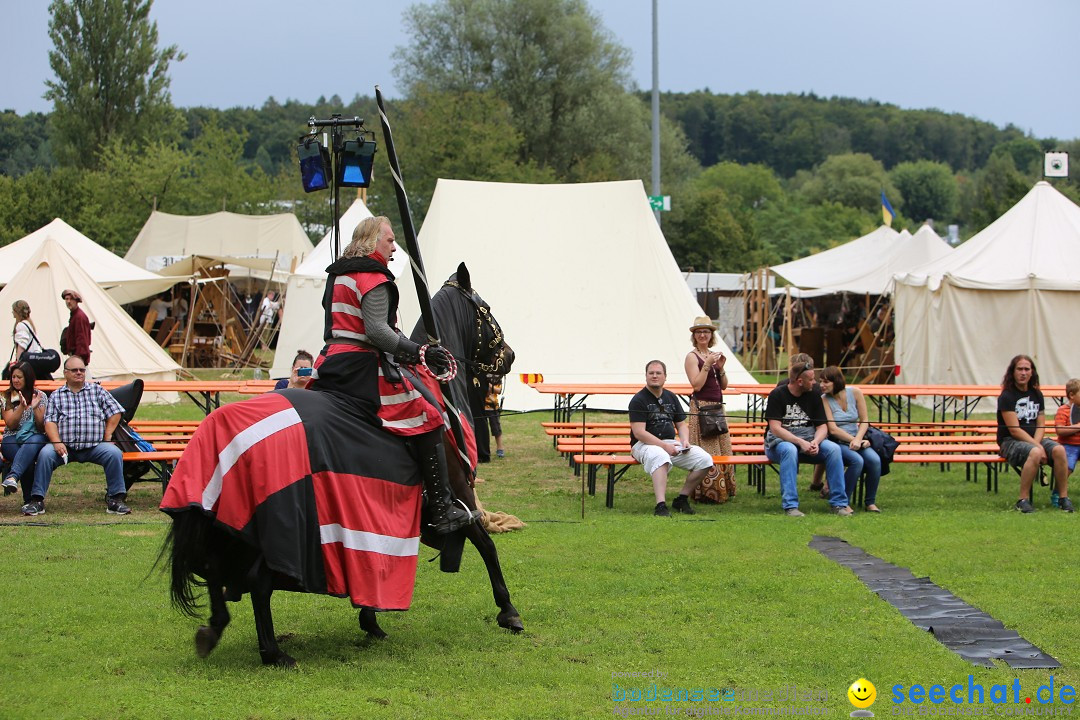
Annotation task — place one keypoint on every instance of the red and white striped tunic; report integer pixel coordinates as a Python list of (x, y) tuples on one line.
[(402, 410)]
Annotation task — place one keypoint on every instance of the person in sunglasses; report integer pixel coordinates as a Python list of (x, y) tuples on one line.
[(79, 423)]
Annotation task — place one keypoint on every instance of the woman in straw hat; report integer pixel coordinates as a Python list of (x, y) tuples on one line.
[(705, 371)]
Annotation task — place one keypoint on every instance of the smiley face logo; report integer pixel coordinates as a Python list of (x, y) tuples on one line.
[(862, 693)]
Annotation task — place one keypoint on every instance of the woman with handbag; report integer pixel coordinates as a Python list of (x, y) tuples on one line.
[(845, 412), (23, 410), (27, 347), (708, 424)]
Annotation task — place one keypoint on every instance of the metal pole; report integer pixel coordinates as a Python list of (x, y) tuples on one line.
[(656, 105)]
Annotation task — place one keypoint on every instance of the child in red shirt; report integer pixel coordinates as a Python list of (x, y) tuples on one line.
[(1067, 423)]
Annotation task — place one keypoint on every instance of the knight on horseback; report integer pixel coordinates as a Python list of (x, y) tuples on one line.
[(362, 357)]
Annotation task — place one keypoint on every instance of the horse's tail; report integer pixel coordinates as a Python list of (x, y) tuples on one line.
[(186, 547)]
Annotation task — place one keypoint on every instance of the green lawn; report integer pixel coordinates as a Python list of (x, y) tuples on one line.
[(729, 598)]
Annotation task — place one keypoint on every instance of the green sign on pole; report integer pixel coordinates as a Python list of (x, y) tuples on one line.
[(660, 202)]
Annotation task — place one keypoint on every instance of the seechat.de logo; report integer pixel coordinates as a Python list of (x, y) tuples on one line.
[(862, 695)]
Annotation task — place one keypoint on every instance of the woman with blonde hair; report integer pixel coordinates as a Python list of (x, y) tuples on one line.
[(705, 371), (359, 361), (24, 335)]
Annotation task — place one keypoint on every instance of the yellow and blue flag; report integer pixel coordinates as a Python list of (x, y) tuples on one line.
[(887, 213)]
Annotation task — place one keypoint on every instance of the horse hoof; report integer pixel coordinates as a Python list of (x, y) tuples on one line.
[(370, 625), (511, 623), (206, 639), (283, 661)]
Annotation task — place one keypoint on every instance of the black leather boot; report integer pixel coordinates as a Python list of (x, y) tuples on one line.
[(446, 514)]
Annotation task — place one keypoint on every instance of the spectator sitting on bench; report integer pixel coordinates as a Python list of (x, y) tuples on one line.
[(1021, 422), (660, 438), (797, 432), (1067, 423), (79, 423)]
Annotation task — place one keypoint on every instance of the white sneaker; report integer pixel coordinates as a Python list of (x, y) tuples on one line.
[(9, 485)]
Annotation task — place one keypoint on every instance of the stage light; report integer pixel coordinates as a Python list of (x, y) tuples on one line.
[(314, 164), (355, 163)]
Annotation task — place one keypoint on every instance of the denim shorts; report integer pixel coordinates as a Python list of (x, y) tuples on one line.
[(1016, 451)]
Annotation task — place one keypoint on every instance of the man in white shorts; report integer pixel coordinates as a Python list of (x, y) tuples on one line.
[(660, 438)]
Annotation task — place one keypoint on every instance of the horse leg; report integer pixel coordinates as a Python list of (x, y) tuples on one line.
[(262, 587), (207, 638), (508, 616), (369, 623)]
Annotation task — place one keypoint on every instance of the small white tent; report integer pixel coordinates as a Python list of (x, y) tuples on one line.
[(830, 267), (1012, 288), (167, 238), (907, 251), (123, 281), (302, 319), (579, 276), (120, 350)]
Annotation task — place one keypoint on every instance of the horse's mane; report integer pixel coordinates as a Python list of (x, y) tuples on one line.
[(455, 315)]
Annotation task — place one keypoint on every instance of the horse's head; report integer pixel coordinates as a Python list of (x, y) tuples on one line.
[(484, 350)]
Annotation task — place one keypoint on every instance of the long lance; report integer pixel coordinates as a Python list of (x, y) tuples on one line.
[(423, 295)]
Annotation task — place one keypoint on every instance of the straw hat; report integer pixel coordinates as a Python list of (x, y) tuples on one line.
[(703, 323)]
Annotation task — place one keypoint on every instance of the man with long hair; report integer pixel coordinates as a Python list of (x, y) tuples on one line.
[(1021, 420)]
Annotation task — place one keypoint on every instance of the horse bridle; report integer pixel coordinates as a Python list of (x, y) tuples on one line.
[(482, 316)]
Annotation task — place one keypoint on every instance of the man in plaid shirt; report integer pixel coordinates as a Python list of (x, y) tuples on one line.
[(79, 423)]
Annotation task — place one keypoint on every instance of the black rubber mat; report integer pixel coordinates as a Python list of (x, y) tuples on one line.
[(967, 631)]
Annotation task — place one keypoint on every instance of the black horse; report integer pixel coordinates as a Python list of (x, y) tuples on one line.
[(254, 498)]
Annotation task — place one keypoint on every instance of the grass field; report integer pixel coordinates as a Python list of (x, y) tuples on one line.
[(729, 598)]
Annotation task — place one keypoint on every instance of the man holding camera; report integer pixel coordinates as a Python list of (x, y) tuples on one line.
[(660, 438), (79, 423)]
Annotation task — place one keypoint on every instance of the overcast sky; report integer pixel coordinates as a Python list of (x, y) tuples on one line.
[(1005, 61)]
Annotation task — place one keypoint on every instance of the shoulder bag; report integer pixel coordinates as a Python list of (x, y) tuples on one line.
[(45, 362)]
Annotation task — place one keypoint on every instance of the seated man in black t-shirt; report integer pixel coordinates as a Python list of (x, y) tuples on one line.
[(660, 438), (797, 432)]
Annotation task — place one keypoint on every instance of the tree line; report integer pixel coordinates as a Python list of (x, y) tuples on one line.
[(500, 90)]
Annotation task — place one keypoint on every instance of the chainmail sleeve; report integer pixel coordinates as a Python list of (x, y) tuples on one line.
[(375, 308)]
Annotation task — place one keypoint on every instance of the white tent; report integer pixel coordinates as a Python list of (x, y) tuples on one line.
[(120, 350), (579, 276), (907, 252), (1011, 289), (842, 263), (123, 281), (167, 238), (302, 319)]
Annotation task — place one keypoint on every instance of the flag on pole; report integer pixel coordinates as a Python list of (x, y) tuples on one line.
[(887, 213)]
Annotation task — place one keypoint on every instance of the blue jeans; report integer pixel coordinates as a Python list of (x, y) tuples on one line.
[(105, 454), (859, 462), (22, 456), (788, 457)]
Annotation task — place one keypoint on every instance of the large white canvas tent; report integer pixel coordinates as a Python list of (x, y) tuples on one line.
[(579, 276), (120, 350), (302, 318), (1012, 288), (167, 238), (123, 281)]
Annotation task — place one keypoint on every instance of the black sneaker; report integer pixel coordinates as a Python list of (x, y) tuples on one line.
[(1024, 505), (10, 486), (1066, 504), (116, 506), (661, 510), (682, 504), (34, 507)]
